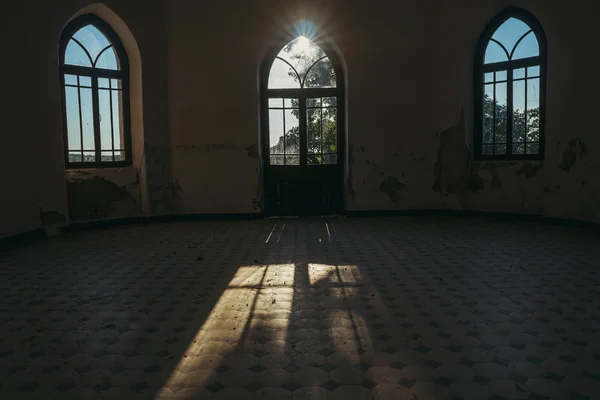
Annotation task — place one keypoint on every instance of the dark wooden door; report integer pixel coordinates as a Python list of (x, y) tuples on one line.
[(304, 161)]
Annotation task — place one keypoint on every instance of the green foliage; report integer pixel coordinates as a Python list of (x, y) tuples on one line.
[(321, 113), (526, 126)]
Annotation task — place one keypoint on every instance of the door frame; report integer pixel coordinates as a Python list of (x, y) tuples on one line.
[(339, 91)]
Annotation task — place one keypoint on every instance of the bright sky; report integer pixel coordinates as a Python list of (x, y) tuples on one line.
[(509, 34), (279, 78), (94, 42)]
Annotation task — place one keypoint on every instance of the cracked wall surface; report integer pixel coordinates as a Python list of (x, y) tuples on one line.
[(103, 194), (409, 111)]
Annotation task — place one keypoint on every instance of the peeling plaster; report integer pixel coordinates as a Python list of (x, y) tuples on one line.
[(95, 197), (452, 165), (392, 187), (529, 170), (475, 181), (575, 150)]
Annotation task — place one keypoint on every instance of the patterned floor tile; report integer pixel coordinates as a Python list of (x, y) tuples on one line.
[(322, 308)]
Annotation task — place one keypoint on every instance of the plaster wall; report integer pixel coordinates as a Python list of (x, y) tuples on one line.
[(409, 109)]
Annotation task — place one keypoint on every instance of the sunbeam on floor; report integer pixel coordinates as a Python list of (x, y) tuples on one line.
[(396, 308)]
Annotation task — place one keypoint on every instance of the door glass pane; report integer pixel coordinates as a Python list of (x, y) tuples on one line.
[(313, 134), (276, 139), (329, 136), (292, 136), (284, 131), (321, 130)]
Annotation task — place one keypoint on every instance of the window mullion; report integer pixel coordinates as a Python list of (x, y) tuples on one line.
[(509, 111), (96, 111)]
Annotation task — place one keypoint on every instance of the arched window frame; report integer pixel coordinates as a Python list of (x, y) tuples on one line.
[(302, 92), (95, 73), (481, 68)]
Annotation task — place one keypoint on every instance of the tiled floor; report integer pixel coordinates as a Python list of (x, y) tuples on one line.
[(404, 308)]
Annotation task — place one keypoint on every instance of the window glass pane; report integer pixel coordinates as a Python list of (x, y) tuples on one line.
[(329, 101), (313, 102), (494, 53), (117, 119), (72, 111), (106, 156), (528, 47), (282, 76), (104, 107), (276, 159), (291, 103), (292, 133), (488, 114), (301, 53), (103, 82), (115, 84), (75, 55), (518, 148), (89, 156), (321, 74), (92, 39), (75, 157), (501, 115), (500, 149), (487, 149), (519, 73), (519, 111), (330, 159), (533, 148), (87, 119), (533, 110), (275, 102), (510, 32), (85, 81), (488, 77), (532, 72), (501, 75), (276, 132), (70, 79), (313, 134), (329, 130), (107, 60), (293, 159)]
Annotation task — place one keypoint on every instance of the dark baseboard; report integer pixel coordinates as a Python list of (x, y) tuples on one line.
[(476, 214), (107, 223), (12, 242)]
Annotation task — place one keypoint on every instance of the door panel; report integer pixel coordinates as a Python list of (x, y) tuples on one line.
[(304, 169)]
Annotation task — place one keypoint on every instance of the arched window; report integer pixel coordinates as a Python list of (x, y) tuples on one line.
[(303, 139), (510, 82), (95, 78)]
